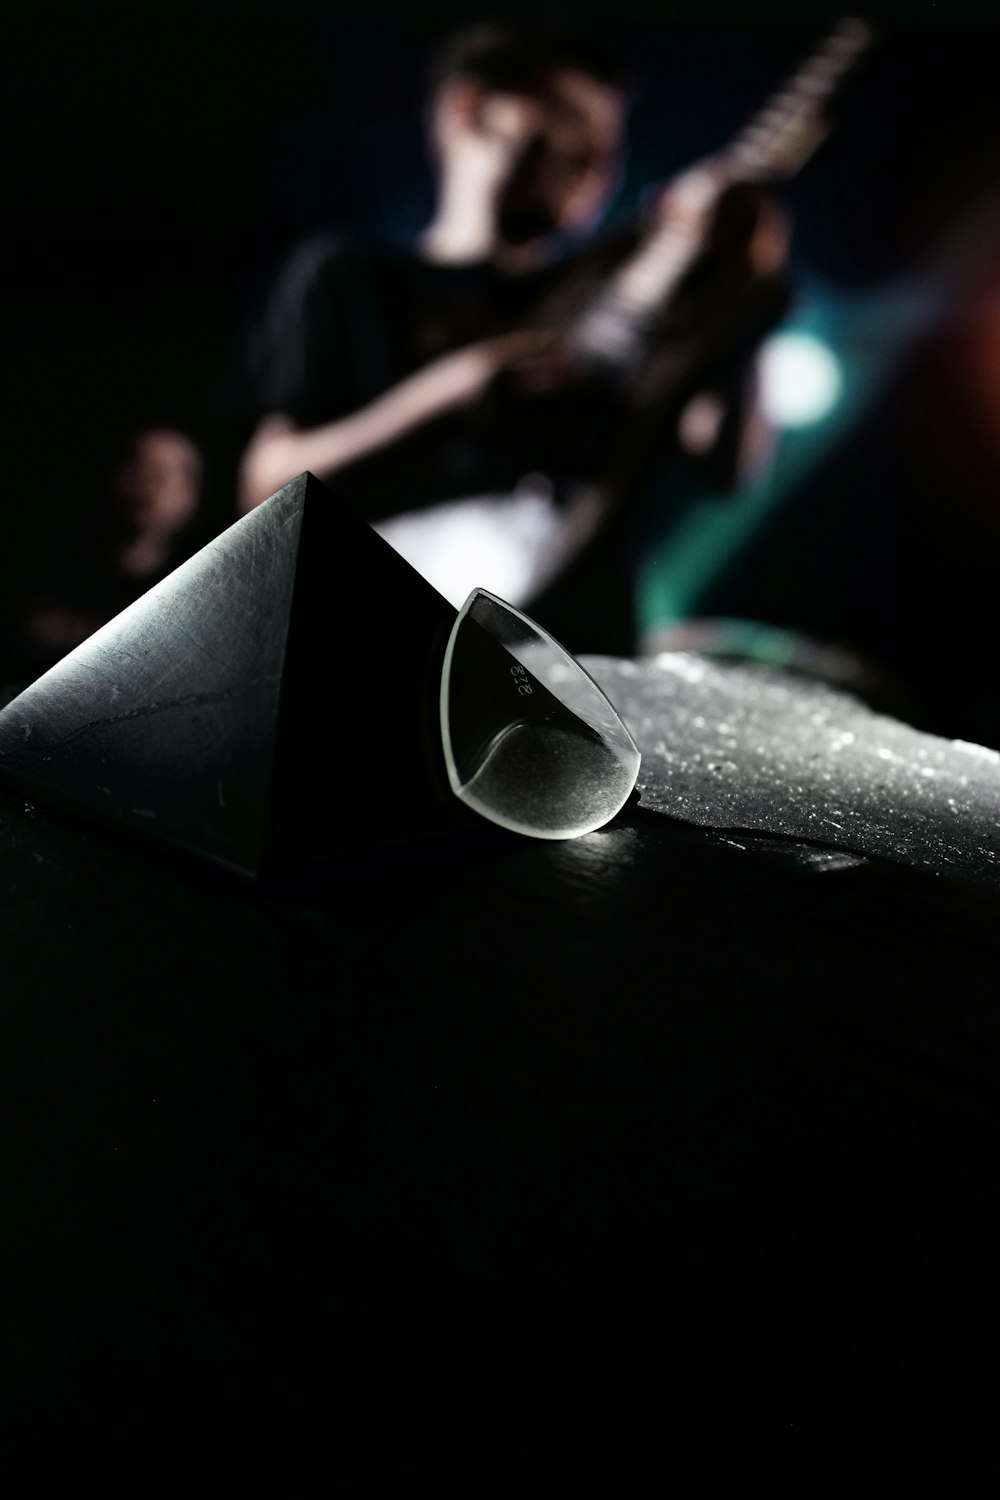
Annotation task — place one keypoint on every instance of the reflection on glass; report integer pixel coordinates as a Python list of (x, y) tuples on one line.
[(530, 741)]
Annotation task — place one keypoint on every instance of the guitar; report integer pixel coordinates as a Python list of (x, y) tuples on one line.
[(616, 329), (644, 334)]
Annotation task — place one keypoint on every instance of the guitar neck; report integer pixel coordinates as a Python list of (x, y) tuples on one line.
[(774, 144), (779, 139)]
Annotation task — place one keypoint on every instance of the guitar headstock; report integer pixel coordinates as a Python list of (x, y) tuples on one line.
[(780, 137)]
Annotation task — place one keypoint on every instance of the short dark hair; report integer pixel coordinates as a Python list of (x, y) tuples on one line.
[(518, 59)]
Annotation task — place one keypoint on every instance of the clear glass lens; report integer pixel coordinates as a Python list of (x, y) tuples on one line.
[(530, 741)]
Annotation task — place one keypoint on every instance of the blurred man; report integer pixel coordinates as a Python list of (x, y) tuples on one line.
[(137, 536), (447, 377)]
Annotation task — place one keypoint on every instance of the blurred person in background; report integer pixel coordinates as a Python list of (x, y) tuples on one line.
[(445, 378), (139, 535)]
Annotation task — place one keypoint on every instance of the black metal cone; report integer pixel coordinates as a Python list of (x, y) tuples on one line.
[(271, 703)]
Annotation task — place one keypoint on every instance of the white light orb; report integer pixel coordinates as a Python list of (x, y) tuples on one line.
[(801, 379)]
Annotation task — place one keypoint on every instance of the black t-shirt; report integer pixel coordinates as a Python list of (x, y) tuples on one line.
[(349, 319)]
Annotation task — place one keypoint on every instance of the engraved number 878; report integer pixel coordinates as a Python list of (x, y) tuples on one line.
[(521, 676)]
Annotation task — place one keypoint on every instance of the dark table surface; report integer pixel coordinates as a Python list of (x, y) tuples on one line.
[(499, 1165)]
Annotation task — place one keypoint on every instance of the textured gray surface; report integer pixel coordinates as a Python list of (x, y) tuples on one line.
[(748, 748)]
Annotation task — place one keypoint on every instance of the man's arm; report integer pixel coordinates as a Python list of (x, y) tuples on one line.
[(737, 294), (280, 448)]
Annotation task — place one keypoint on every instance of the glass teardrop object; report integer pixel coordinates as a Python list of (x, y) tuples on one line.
[(530, 741)]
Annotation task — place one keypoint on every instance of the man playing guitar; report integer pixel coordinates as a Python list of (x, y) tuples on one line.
[(495, 399)]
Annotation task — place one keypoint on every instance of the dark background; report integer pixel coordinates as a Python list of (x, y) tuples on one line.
[(514, 1165), (166, 156)]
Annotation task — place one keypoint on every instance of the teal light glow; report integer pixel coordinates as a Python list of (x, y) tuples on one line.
[(864, 338)]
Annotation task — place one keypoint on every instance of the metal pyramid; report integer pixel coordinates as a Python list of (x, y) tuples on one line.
[(269, 704)]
